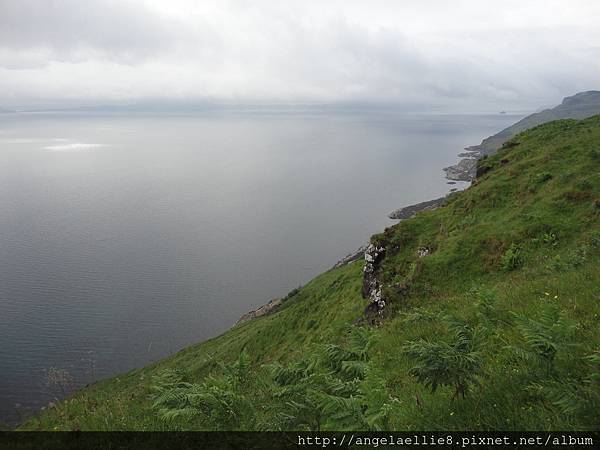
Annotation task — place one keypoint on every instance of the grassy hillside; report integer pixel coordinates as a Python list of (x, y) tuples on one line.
[(578, 106), (497, 326)]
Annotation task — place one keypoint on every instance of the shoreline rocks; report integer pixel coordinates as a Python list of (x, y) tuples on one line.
[(351, 257), (264, 310), (409, 211), (274, 304), (464, 170), (579, 106)]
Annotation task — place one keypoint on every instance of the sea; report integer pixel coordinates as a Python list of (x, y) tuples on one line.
[(127, 236)]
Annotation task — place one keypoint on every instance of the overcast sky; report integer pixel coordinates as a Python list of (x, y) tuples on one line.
[(460, 54)]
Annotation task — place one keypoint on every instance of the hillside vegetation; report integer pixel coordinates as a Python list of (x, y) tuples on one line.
[(579, 106), (492, 321)]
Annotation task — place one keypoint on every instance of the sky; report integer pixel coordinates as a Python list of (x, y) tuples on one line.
[(464, 55)]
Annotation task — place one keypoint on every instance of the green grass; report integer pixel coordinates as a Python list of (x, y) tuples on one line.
[(522, 241)]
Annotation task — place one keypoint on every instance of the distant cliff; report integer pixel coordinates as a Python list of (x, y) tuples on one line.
[(578, 106)]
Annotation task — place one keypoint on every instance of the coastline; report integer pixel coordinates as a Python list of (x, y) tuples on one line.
[(466, 168), (409, 211), (460, 172)]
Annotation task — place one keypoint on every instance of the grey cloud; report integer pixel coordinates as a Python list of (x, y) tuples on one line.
[(302, 51), (74, 30)]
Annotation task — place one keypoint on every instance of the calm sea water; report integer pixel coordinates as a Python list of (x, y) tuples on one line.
[(125, 238)]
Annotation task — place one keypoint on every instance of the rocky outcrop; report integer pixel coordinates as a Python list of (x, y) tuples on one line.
[(463, 171), (422, 252), (409, 211), (371, 289), (269, 308), (351, 257), (275, 304)]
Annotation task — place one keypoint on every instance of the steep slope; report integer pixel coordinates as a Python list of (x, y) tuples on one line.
[(490, 320), (578, 106)]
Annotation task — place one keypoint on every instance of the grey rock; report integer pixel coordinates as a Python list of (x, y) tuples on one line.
[(423, 251), (371, 286), (264, 310), (409, 211), (351, 257), (463, 171)]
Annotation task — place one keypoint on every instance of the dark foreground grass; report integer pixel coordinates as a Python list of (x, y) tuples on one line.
[(514, 258)]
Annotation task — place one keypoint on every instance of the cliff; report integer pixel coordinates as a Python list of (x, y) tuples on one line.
[(578, 106), (482, 313)]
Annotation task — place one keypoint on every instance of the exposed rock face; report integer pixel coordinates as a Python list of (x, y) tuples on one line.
[(423, 251), (371, 286), (269, 308)]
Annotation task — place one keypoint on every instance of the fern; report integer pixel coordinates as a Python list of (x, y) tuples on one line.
[(563, 394), (574, 395), (325, 389), (336, 355), (217, 402), (487, 310), (456, 363), (291, 374), (361, 341), (240, 369), (345, 360), (344, 412), (354, 369), (544, 336)]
